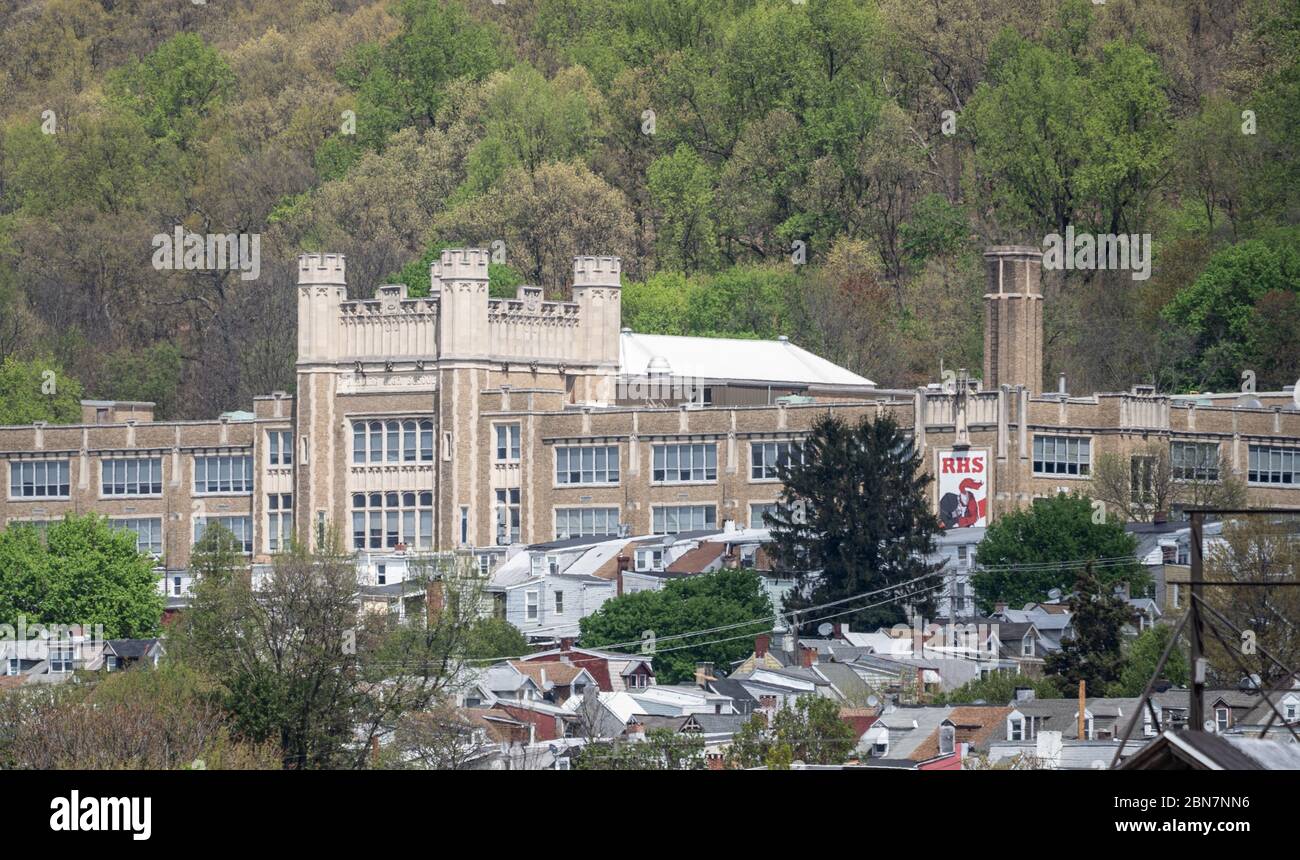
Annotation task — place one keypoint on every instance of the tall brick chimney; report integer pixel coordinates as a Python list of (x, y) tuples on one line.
[(1013, 318), (761, 643)]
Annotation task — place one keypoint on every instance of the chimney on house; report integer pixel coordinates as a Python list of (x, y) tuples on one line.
[(433, 601), (837, 629), (999, 607), (621, 565), (1013, 318), (703, 675), (761, 643), (566, 644), (1160, 517), (808, 656)]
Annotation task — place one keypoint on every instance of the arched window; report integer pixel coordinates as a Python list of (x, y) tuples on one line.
[(426, 441), (408, 442), (376, 442)]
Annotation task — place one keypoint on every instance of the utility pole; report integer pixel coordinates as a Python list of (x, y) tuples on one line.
[(1083, 706), (1196, 708)]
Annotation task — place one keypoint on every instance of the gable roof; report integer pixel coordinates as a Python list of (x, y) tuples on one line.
[(130, 649), (697, 560), (975, 725)]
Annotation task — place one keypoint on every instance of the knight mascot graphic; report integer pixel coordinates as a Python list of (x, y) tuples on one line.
[(965, 508)]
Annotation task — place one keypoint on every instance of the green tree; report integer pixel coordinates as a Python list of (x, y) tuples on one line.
[(1140, 657), (37, 390), (854, 516), (661, 749), (681, 186), (718, 599), (809, 731), (1093, 653), (1020, 553), (83, 573), (175, 87), (493, 638), (997, 688)]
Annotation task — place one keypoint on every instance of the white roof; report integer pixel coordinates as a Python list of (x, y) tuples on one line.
[(767, 361)]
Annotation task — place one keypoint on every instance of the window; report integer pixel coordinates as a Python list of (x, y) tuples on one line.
[(507, 517), (12, 667), (649, 559), (530, 606), (464, 525), (381, 574), (280, 445), (1176, 596), (963, 558), (585, 522), (279, 532), (756, 512), (1221, 719), (148, 533), (636, 680), (384, 520), (223, 473), (947, 739), (1271, 465), (38, 479), (765, 457), (240, 527), (131, 477), (559, 603), (1291, 710), (61, 657), (684, 518), (1027, 646), (176, 586), (1016, 729), (393, 441), (1062, 455), (507, 443), (680, 464), (1142, 479), (586, 465), (1194, 461)]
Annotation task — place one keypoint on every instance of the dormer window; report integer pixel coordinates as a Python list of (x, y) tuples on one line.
[(1291, 710), (947, 739), (1016, 729), (1222, 718), (1027, 646)]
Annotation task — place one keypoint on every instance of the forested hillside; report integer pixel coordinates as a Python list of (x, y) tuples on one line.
[(704, 141)]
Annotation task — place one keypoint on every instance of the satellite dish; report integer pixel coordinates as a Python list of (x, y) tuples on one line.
[(873, 701), (1210, 726), (825, 628)]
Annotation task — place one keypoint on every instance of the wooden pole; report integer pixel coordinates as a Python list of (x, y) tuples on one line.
[(1196, 707), (1083, 704)]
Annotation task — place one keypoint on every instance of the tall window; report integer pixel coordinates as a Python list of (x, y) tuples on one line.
[(280, 447), (1142, 479), (223, 473), (383, 520), (507, 517), (38, 479), (682, 463), (1194, 461), (765, 457), (131, 477), (756, 512), (586, 465), (279, 511), (148, 533), (585, 522), (1272, 465), (240, 527), (671, 519), (507, 443), (1062, 455), (405, 441)]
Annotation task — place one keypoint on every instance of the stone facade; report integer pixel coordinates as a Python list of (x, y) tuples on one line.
[(439, 422)]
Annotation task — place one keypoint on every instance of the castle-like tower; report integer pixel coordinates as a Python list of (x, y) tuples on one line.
[(1013, 319)]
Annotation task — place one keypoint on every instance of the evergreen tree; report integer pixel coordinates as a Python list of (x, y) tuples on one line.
[(1093, 653), (854, 516)]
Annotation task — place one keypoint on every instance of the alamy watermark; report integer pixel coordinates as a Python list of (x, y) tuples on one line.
[(209, 252), (1099, 251)]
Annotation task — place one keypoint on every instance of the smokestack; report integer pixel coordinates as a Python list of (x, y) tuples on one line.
[(1013, 322), (761, 643)]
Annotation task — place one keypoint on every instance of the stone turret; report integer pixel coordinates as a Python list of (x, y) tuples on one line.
[(460, 280), (322, 285), (1013, 324), (597, 289)]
